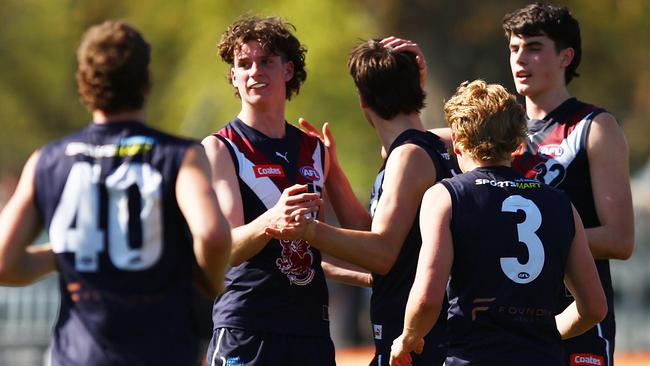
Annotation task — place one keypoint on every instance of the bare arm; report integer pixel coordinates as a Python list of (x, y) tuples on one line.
[(434, 265), (408, 173), (19, 226), (608, 163), (344, 272), (581, 277), (249, 239), (200, 207), (349, 211)]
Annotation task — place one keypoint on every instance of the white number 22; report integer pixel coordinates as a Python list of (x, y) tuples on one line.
[(526, 272), (81, 200)]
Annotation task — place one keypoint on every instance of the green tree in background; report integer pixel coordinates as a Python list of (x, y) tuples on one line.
[(462, 40)]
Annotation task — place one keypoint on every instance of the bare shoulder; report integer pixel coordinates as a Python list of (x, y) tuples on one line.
[(605, 135)]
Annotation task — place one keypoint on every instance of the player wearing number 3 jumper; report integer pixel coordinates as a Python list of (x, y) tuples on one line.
[(505, 242), (129, 211)]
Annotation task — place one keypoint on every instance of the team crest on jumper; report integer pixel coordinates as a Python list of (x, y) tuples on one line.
[(296, 262)]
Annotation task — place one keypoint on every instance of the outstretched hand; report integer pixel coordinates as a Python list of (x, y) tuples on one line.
[(403, 45), (325, 136)]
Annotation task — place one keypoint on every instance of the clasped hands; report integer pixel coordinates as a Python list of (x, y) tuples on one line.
[(292, 216)]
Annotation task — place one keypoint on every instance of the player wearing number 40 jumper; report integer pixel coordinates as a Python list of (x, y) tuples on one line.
[(505, 242), (130, 213)]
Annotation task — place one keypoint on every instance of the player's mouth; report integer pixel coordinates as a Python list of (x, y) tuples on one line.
[(522, 75), (258, 86)]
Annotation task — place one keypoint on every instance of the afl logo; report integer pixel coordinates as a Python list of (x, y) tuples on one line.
[(309, 173), (551, 150), (523, 275)]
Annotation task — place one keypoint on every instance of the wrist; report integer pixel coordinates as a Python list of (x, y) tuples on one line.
[(310, 232)]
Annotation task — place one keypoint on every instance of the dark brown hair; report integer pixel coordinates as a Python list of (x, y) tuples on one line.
[(556, 23), (388, 81), (274, 35), (113, 72)]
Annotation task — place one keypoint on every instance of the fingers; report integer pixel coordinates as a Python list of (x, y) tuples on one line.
[(294, 189), (404, 45)]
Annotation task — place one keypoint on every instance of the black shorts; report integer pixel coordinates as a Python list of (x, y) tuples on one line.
[(594, 347), (239, 347)]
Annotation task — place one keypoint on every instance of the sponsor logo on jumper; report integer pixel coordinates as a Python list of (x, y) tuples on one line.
[(268, 170), (309, 173), (296, 262), (481, 304), (130, 146), (527, 312), (376, 329), (519, 183), (283, 156), (552, 150), (579, 359)]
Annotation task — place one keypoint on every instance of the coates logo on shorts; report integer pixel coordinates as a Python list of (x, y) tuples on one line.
[(552, 150), (309, 173), (580, 359), (268, 170)]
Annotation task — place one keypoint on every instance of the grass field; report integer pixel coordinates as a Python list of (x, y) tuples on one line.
[(362, 356)]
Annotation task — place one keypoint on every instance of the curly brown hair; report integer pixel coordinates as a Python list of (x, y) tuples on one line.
[(388, 81), (113, 74), (274, 35), (487, 121)]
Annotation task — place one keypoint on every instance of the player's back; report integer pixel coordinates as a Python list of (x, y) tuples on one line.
[(124, 253), (511, 241)]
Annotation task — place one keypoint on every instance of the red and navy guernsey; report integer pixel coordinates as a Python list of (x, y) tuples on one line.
[(282, 288)]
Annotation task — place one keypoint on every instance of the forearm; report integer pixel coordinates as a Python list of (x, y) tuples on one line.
[(368, 250), (611, 243), (36, 262), (349, 211), (419, 318), (570, 323), (247, 241), (343, 272)]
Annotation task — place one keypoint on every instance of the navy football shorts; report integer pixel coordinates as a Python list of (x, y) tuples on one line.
[(238, 347)]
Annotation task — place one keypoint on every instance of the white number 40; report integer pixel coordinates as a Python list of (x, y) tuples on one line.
[(81, 200)]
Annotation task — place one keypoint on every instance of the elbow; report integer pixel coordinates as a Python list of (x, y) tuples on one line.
[(597, 313), (384, 263), (626, 249)]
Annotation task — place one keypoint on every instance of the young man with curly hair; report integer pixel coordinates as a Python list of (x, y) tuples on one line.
[(130, 212), (501, 244), (274, 310), (574, 146)]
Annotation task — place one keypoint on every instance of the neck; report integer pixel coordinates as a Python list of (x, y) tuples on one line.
[(389, 130), (468, 164), (539, 106), (101, 117), (269, 121)]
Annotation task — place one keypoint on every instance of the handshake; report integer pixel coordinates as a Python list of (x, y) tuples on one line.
[(294, 214)]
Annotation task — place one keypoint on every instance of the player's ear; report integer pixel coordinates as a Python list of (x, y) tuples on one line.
[(232, 76), (567, 56), (454, 146), (288, 70)]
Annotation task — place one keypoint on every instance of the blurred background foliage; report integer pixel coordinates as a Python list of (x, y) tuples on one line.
[(462, 40)]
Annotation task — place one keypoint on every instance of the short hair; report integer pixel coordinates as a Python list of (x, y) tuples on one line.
[(555, 22), (388, 81), (113, 71), (487, 121), (274, 35)]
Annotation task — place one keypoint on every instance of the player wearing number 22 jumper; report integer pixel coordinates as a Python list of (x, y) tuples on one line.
[(505, 242), (129, 212)]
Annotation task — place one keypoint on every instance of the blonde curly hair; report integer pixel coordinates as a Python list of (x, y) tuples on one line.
[(487, 121)]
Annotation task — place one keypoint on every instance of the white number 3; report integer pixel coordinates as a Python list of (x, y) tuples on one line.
[(134, 213), (526, 272)]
